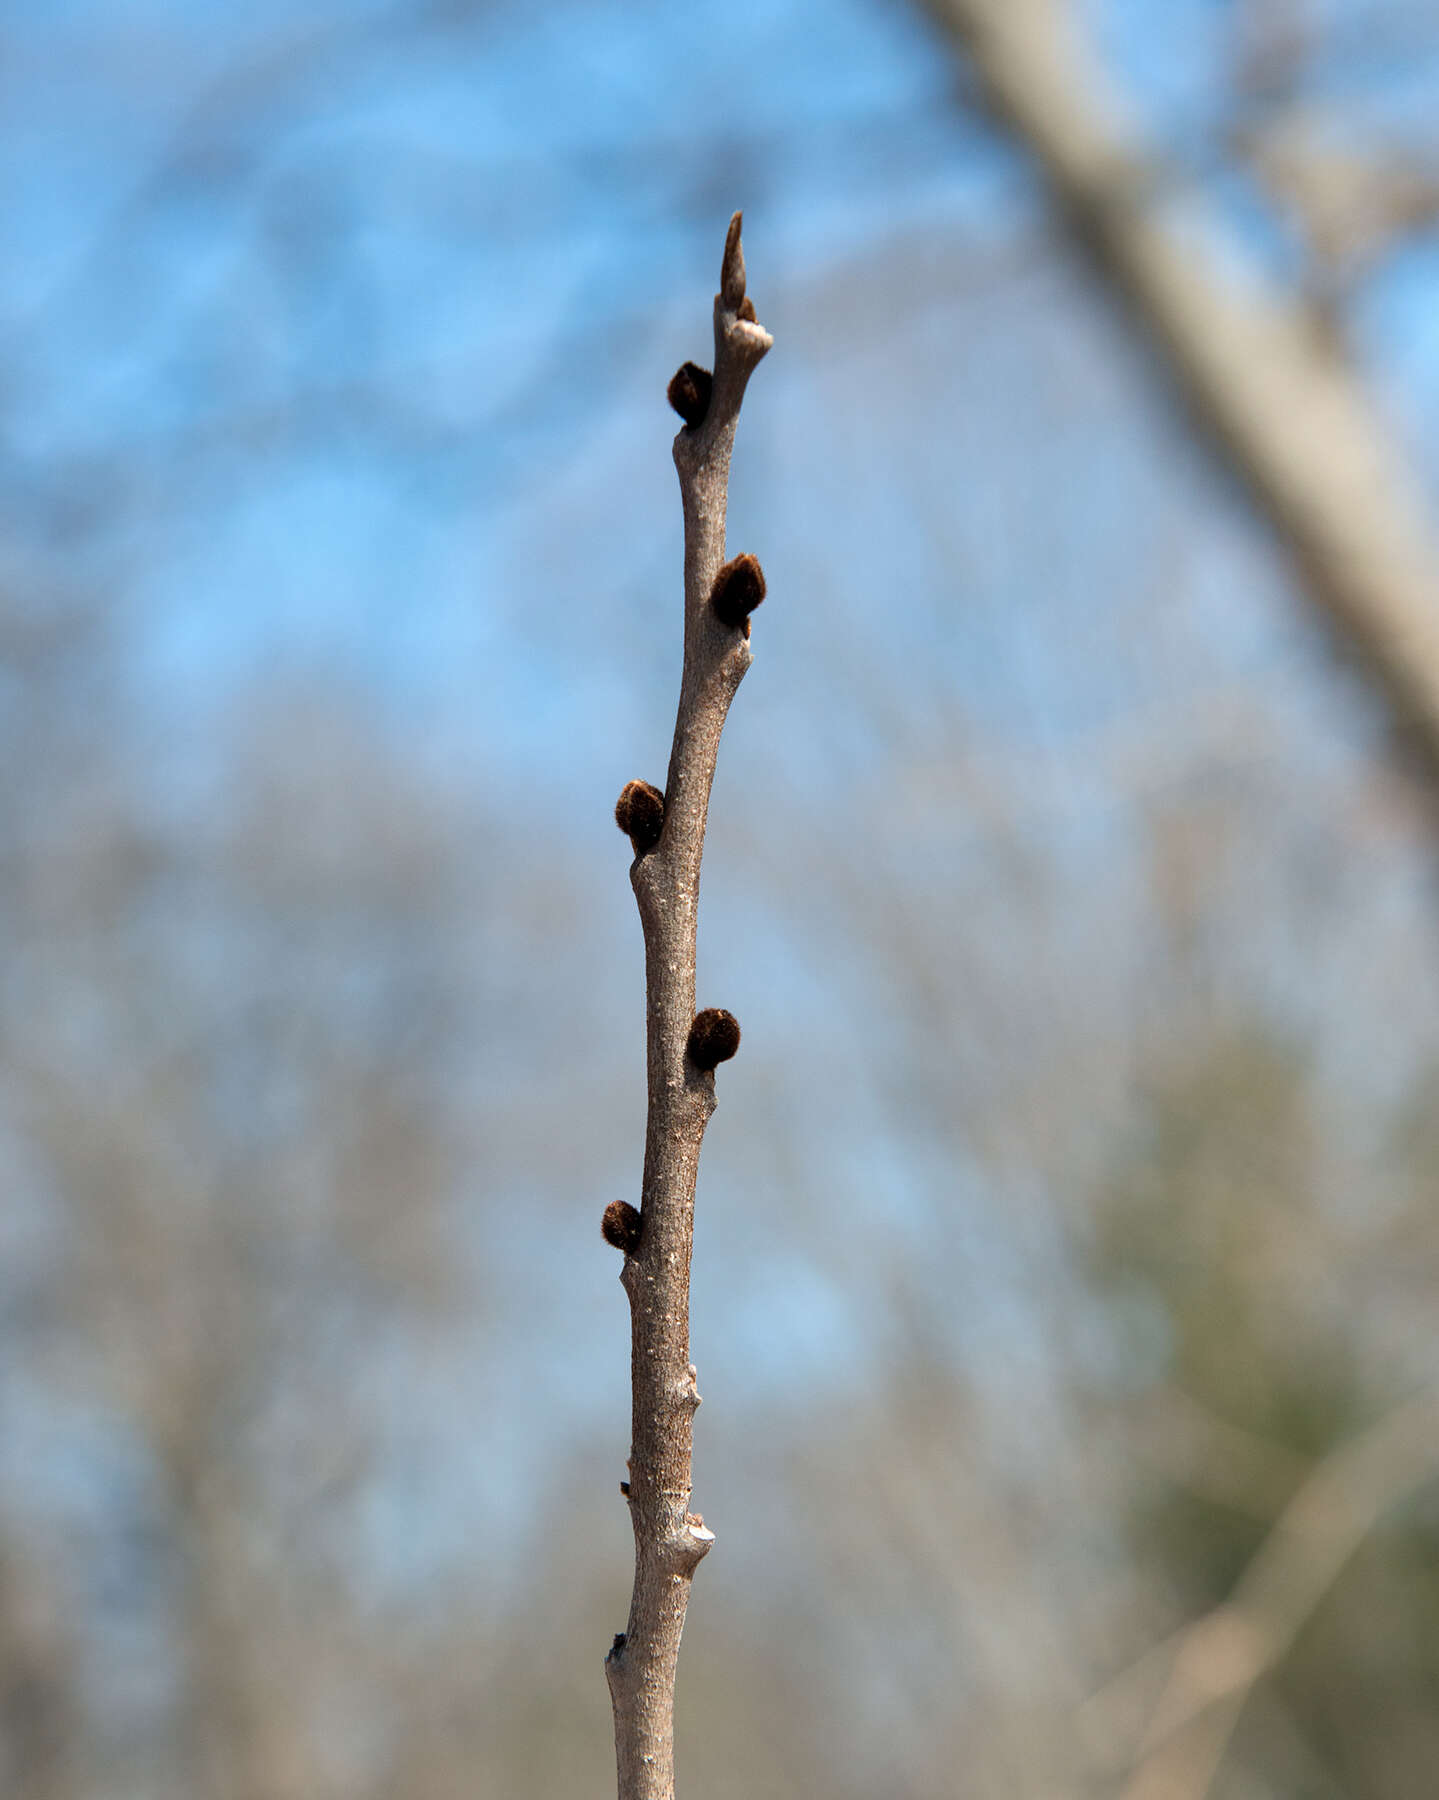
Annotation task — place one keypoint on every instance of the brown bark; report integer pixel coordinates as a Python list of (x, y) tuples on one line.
[(669, 1539)]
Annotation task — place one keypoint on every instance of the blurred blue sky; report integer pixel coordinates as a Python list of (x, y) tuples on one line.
[(310, 298), (378, 256), (339, 339)]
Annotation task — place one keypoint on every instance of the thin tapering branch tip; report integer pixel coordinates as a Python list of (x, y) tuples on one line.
[(640, 814), (658, 1239), (713, 1039), (689, 393)]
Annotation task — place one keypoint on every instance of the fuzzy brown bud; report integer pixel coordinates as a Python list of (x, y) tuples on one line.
[(621, 1226), (737, 591), (640, 813), (689, 393), (714, 1038), (747, 311)]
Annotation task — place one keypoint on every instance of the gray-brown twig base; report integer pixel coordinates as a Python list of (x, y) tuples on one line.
[(669, 1538)]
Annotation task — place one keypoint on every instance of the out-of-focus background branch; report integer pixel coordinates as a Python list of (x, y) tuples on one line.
[(1289, 415), (1073, 1204)]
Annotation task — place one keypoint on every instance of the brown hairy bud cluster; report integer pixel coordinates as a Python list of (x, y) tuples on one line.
[(621, 1226), (689, 393), (747, 311), (640, 814), (714, 1037), (737, 591)]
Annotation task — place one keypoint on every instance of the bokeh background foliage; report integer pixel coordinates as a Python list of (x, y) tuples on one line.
[(1072, 1198)]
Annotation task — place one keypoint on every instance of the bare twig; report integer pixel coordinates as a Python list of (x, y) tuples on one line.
[(667, 832)]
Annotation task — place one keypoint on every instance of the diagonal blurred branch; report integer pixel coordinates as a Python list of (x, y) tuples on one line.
[(1292, 420), (1216, 1663)]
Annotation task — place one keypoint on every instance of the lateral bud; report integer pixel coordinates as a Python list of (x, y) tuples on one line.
[(689, 393), (713, 1039), (738, 589), (640, 814), (621, 1226)]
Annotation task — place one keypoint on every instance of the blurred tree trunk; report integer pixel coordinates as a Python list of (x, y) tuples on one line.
[(1289, 415)]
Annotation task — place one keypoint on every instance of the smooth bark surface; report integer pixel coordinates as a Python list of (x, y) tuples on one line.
[(669, 1539)]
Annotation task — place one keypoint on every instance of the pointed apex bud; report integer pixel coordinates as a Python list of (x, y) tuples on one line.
[(732, 268)]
